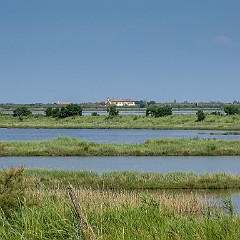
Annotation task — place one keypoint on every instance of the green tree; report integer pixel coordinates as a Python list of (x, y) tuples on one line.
[(231, 109), (21, 111), (112, 111), (73, 110), (200, 115)]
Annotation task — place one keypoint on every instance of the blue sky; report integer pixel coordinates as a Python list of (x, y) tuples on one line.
[(88, 50)]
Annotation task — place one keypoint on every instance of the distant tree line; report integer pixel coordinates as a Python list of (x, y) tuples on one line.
[(153, 110)]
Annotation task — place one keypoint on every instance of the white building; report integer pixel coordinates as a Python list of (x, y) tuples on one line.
[(120, 102)]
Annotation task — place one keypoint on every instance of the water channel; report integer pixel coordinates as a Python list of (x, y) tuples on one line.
[(110, 135)]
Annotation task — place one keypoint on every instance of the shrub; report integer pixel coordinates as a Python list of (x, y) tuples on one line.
[(12, 189), (21, 111), (159, 111), (63, 112), (200, 115), (217, 113), (94, 114), (231, 109), (112, 111)]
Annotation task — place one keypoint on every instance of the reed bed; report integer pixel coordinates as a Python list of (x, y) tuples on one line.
[(119, 214), (64, 146)]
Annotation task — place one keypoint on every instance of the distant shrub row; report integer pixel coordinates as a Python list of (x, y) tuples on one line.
[(154, 111)]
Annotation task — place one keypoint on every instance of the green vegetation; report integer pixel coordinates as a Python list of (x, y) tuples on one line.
[(119, 213), (133, 180), (200, 115), (112, 111), (95, 114), (183, 121), (64, 112), (164, 147), (155, 111), (231, 109), (12, 189), (21, 111)]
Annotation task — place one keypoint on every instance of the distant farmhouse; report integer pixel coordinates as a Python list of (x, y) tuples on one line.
[(64, 103), (120, 102)]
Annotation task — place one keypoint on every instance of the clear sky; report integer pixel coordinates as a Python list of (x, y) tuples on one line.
[(88, 50)]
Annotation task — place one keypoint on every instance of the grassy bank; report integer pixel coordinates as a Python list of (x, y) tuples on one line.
[(119, 215), (163, 147), (180, 121), (133, 180)]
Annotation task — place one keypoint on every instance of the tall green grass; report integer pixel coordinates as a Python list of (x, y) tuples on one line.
[(120, 215), (164, 147), (112, 212)]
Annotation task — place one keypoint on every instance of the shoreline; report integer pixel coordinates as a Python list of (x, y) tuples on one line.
[(173, 122)]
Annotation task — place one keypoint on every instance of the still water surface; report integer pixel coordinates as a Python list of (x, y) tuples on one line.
[(206, 164), (109, 135)]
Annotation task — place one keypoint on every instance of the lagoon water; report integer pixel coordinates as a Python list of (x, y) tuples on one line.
[(109, 135), (209, 164), (195, 164)]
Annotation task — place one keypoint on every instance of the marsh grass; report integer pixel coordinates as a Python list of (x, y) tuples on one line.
[(181, 121), (64, 146), (119, 214), (116, 211), (132, 180)]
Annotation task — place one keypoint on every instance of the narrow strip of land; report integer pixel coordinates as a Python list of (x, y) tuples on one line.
[(181, 121), (164, 147)]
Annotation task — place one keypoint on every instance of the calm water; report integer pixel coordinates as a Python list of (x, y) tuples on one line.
[(197, 165), (108, 135)]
